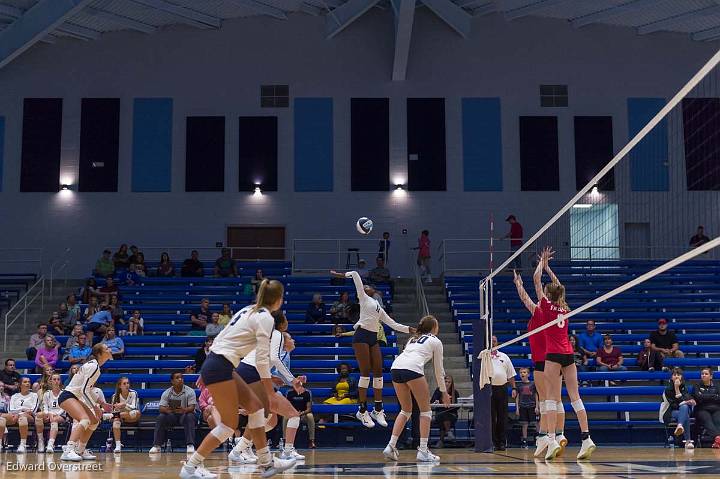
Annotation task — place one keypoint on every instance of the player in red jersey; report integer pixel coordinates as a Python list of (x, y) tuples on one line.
[(558, 358)]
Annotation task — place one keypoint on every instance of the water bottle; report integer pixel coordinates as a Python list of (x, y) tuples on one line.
[(168, 446), (109, 444), (281, 445)]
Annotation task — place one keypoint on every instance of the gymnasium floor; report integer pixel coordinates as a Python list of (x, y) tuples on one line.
[(623, 463)]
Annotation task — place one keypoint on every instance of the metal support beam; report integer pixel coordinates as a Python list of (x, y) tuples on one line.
[(707, 35), (532, 9), (457, 18), (482, 10), (79, 31), (612, 12), (668, 23), (44, 17), (120, 20), (9, 11), (404, 17), (261, 8), (339, 18), (311, 9), (186, 15)]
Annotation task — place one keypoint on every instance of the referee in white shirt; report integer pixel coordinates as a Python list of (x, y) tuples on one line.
[(503, 372)]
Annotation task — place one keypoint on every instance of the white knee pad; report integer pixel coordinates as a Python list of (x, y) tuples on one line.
[(22, 421), (256, 419), (364, 382), (426, 414), (407, 415), (541, 407), (93, 426), (578, 405), (560, 407), (378, 383), (222, 432), (53, 427), (293, 422), (3, 422), (270, 422), (84, 423), (550, 405)]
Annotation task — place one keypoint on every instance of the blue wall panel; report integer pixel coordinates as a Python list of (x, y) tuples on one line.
[(2, 148), (482, 144), (313, 125), (649, 159), (152, 144)]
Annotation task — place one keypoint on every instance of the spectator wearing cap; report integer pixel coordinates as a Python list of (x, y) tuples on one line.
[(516, 238), (699, 239), (104, 265), (663, 344), (225, 266)]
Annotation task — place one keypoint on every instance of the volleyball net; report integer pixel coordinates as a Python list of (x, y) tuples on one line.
[(634, 223)]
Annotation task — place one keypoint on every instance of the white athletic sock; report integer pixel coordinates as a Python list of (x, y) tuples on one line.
[(551, 436), (51, 442), (264, 456), (80, 447), (23, 442), (242, 444), (423, 443), (289, 445), (196, 459), (394, 440)]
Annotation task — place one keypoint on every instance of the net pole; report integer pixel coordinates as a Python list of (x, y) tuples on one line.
[(659, 116)]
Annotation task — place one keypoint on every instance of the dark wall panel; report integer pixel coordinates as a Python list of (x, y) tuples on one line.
[(539, 162), (426, 144), (205, 153), (701, 124), (593, 150), (370, 144), (258, 153), (99, 144), (41, 140)]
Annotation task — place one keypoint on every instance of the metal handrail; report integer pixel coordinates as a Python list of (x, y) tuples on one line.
[(63, 261), (25, 301), (421, 299)]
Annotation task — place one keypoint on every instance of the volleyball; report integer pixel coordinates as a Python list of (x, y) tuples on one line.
[(364, 226)]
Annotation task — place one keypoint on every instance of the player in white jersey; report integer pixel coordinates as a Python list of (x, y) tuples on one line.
[(21, 411), (367, 349), (249, 329), (52, 413), (78, 400), (126, 408), (249, 372), (408, 375)]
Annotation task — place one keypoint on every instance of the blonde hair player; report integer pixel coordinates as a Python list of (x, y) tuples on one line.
[(408, 376), (367, 349), (250, 329), (537, 350), (52, 413), (559, 359)]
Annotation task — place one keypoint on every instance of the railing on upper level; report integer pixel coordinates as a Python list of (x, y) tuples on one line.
[(59, 266), (20, 308)]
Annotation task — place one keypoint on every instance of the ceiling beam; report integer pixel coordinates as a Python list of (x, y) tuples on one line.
[(482, 10), (457, 18), (79, 31), (187, 15), (9, 11), (669, 23), (532, 9), (310, 9), (339, 18), (612, 12), (120, 20), (44, 17), (261, 8), (707, 35), (404, 18)]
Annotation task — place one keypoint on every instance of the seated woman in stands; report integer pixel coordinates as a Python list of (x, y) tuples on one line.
[(340, 309), (677, 405), (446, 417), (125, 408), (345, 389), (707, 410), (165, 269), (90, 290), (135, 323), (643, 357)]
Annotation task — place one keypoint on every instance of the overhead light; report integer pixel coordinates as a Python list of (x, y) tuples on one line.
[(65, 187), (583, 205), (258, 190), (399, 186)]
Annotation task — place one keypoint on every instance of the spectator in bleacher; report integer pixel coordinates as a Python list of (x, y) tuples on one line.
[(37, 340), (116, 345), (664, 343), (74, 368), (579, 356), (139, 262), (117, 313), (199, 319), (676, 406), (132, 278), (340, 308), (90, 310), (446, 417), (89, 291), (55, 327), (73, 309), (135, 323), (104, 265), (165, 269), (363, 270), (120, 258), (202, 353), (177, 407), (134, 251), (10, 377), (301, 399), (315, 312), (110, 289), (192, 267), (126, 408), (643, 357), (609, 357), (99, 323), (384, 247), (225, 315), (423, 258), (77, 330), (699, 239), (707, 409), (80, 350), (257, 280), (345, 388), (225, 266), (62, 311), (516, 240), (213, 328), (380, 275), (503, 373), (590, 340)]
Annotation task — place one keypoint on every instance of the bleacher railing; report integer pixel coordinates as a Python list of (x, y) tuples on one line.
[(58, 266), (322, 255), (208, 255), (20, 308), (21, 260)]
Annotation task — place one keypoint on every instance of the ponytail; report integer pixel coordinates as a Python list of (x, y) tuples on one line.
[(556, 294), (425, 326), (96, 351), (269, 292)]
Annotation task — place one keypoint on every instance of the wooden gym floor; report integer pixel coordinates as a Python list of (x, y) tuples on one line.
[(622, 463)]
